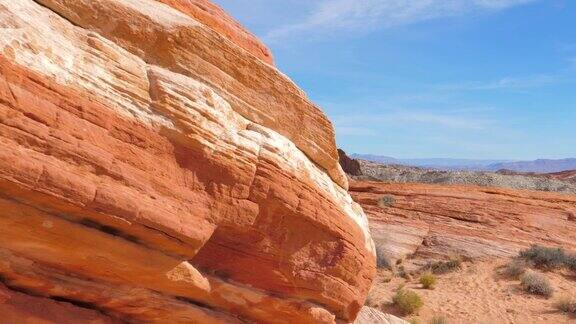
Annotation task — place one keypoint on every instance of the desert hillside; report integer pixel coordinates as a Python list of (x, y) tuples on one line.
[(414, 225), (562, 182), (466, 228)]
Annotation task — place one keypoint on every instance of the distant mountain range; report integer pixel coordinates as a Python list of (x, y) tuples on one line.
[(538, 166)]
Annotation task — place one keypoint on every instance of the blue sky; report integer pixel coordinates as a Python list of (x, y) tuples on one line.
[(481, 79)]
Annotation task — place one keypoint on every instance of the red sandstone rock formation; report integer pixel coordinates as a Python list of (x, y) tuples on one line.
[(214, 17), (155, 171), (439, 221)]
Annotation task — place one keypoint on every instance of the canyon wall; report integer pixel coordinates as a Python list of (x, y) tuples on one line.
[(156, 167)]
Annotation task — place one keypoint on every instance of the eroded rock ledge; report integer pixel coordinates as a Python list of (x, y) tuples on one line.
[(154, 169), (441, 221)]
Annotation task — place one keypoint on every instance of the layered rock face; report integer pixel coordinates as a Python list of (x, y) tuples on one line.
[(155, 167), (441, 221), (217, 19)]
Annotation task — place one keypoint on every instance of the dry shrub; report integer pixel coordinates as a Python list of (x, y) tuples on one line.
[(571, 263), (407, 301), (443, 267), (382, 259), (536, 283), (547, 258), (566, 304), (438, 319), (515, 268), (386, 201), (428, 280), (403, 273)]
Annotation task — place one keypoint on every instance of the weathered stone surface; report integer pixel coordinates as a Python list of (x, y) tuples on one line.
[(369, 315), (349, 165), (16, 307), (153, 170), (211, 15), (440, 221), (164, 37)]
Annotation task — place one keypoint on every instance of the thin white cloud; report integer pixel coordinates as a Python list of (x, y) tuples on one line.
[(441, 120), (507, 83), (367, 124), (337, 15)]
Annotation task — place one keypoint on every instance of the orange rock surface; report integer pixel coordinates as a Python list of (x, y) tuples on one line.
[(213, 16), (154, 171), (439, 221)]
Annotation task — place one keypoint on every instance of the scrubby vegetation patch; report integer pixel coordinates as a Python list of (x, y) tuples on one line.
[(383, 261), (386, 201), (546, 258), (438, 319), (566, 304), (407, 301), (515, 268), (428, 280), (443, 267), (536, 283)]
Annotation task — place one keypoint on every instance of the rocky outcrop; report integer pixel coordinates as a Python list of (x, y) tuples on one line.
[(441, 221), (349, 165), (369, 315), (155, 169)]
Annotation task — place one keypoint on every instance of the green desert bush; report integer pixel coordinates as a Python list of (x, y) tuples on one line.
[(386, 201), (536, 283), (428, 280), (438, 319), (515, 268), (443, 267), (566, 304), (407, 301)]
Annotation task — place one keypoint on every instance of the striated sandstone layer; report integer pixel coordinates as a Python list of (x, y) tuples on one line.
[(440, 221), (154, 170), (212, 16)]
